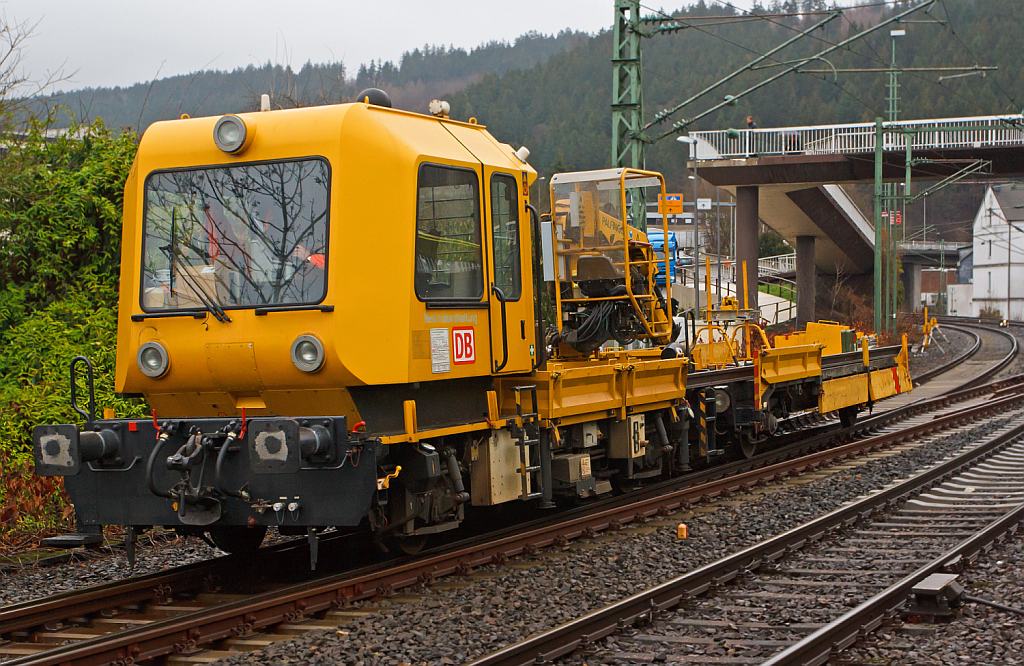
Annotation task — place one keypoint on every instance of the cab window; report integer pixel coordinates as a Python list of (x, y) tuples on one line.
[(505, 238), (238, 236), (449, 261)]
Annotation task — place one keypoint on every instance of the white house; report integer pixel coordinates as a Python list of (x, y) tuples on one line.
[(998, 282)]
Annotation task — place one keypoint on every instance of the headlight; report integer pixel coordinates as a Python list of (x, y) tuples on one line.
[(722, 400), (153, 360), (307, 353), (229, 134)]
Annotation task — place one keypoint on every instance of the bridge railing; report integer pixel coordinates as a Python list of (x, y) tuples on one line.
[(775, 312), (780, 263), (948, 133), (948, 247)]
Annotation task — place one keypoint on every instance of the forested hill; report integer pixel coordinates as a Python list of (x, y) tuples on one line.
[(552, 93), (560, 108), (421, 75)]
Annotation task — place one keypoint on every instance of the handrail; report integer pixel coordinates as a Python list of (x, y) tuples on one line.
[(90, 378), (779, 263), (500, 295)]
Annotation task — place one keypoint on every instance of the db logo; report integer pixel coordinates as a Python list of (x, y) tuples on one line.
[(464, 345)]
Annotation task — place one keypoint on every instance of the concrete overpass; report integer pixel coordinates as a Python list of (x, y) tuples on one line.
[(790, 179), (916, 255)]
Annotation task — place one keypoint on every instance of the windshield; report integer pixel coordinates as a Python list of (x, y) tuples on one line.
[(236, 236)]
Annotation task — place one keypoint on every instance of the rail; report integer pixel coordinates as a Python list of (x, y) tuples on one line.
[(927, 134)]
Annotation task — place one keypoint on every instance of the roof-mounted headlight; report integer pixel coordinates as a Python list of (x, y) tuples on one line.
[(153, 360), (230, 134), (307, 353)]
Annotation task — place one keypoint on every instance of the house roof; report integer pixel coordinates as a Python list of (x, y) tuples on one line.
[(1010, 196)]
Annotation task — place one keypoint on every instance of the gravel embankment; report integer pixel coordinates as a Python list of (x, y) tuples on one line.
[(452, 623), (981, 635), (31, 582)]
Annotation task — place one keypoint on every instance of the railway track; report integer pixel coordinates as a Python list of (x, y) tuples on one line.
[(993, 350), (178, 612), (801, 596)]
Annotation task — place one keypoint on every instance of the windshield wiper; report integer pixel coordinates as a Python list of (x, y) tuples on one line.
[(204, 296), (197, 314)]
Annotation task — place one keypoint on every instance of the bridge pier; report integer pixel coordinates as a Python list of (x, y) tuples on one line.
[(806, 280), (911, 286), (747, 241)]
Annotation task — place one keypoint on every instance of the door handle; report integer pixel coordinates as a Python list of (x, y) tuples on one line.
[(500, 295)]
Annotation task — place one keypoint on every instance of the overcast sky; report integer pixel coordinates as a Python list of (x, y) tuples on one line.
[(120, 42)]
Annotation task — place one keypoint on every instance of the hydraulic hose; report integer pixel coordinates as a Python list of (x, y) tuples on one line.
[(455, 476), (219, 467), (151, 464)]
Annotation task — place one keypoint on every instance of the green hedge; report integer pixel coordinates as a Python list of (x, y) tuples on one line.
[(60, 232)]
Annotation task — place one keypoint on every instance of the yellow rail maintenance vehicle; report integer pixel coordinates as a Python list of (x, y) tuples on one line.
[(336, 315)]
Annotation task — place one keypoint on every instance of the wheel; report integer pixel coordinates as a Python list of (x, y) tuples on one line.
[(848, 416), (238, 540), (748, 446), (409, 545)]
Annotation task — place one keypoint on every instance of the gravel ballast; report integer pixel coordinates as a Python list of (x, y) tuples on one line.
[(469, 617)]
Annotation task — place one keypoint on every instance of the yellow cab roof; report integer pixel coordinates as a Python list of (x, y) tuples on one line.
[(332, 131)]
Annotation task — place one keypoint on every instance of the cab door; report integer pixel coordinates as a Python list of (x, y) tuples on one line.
[(509, 259)]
